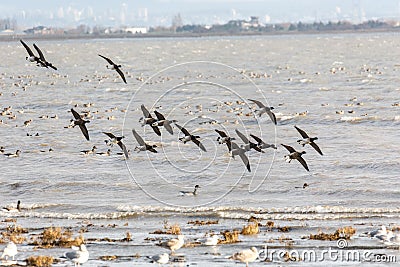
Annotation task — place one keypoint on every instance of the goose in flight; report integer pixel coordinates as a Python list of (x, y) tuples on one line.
[(265, 109), (118, 140), (143, 146), (81, 123), (308, 140), (114, 66), (295, 155), (188, 137), (41, 56)]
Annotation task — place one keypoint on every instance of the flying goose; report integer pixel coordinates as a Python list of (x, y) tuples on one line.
[(148, 119), (223, 138), (188, 137), (295, 155), (81, 123), (265, 109), (142, 144), (118, 140), (308, 140), (239, 151), (114, 66), (248, 144), (261, 144), (41, 56), (32, 57), (161, 121)]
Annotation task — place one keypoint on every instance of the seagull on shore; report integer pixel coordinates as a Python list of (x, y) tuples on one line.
[(223, 138), (13, 209), (210, 241), (161, 121), (308, 140), (261, 144), (174, 244), (81, 123), (246, 256), (118, 140), (190, 193), (143, 146), (32, 57), (42, 59), (188, 137), (148, 119), (114, 66), (79, 255), (248, 144), (239, 151), (160, 259), (265, 109), (10, 251), (295, 155)]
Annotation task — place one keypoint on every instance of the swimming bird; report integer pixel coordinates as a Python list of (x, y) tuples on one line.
[(91, 151), (10, 251), (114, 66), (190, 193), (13, 155), (295, 155), (161, 121), (261, 144), (118, 140), (246, 256), (248, 144), (32, 57), (160, 259), (79, 255), (236, 150), (42, 59), (148, 119), (308, 140), (223, 138), (188, 137), (107, 153), (81, 123), (142, 144), (265, 109), (13, 209), (174, 244)]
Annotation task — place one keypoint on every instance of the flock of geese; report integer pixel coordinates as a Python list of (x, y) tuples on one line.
[(159, 120)]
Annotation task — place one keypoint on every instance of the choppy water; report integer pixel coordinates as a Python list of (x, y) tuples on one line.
[(355, 183)]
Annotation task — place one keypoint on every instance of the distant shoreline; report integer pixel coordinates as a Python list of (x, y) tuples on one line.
[(14, 37)]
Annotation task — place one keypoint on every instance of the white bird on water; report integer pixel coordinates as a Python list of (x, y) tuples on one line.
[(211, 241), (9, 251), (246, 256), (79, 255)]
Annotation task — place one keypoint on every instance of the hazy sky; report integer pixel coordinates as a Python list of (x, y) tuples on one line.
[(160, 12)]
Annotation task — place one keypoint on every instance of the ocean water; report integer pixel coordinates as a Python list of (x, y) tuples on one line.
[(341, 88)]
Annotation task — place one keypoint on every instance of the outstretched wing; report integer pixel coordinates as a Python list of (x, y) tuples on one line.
[(123, 147), (41, 56), (168, 126), (303, 162), (289, 148), (183, 129), (199, 144), (84, 131), (272, 116), (156, 130), (316, 147), (108, 60), (221, 133), (109, 135), (245, 160), (229, 145), (302, 133), (259, 104), (258, 139), (121, 74), (160, 116), (242, 136), (76, 114), (27, 48), (146, 113), (234, 145), (139, 139)]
